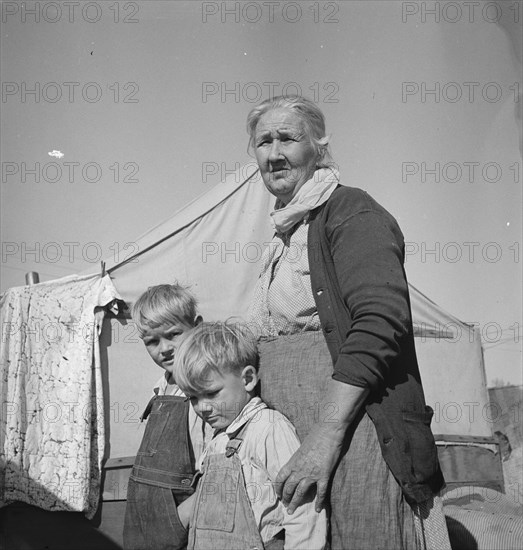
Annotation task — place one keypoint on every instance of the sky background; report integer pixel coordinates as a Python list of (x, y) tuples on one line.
[(147, 101)]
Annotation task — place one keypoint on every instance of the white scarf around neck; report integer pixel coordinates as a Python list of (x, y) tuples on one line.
[(313, 193)]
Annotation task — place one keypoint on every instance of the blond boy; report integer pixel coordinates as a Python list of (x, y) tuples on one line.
[(174, 436), (235, 505)]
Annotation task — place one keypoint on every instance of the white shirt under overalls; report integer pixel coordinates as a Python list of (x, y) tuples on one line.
[(269, 441)]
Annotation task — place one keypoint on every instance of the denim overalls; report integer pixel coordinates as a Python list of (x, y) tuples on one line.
[(161, 478), (223, 516)]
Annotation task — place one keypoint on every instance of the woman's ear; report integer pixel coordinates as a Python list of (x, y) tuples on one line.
[(250, 378), (198, 320)]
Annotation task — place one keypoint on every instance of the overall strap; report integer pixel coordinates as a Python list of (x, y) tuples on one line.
[(149, 407), (235, 440)]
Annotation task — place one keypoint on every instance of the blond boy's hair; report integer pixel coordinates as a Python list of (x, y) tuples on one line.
[(220, 347), (164, 304)]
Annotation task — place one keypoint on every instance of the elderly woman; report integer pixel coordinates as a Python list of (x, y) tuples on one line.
[(337, 348)]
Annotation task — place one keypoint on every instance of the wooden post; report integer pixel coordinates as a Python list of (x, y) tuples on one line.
[(32, 278)]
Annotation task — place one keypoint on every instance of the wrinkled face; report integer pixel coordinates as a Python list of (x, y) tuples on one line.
[(224, 398), (284, 153), (161, 343)]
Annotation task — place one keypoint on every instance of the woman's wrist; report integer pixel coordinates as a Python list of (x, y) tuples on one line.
[(334, 432), (341, 404)]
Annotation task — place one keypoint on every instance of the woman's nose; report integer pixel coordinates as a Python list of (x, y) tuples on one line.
[(275, 151)]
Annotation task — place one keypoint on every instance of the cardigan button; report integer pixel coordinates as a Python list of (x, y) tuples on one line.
[(319, 292), (388, 440)]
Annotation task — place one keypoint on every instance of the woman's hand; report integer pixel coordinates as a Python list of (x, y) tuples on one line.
[(311, 465)]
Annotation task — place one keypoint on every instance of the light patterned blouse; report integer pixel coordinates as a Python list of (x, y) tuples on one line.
[(283, 302)]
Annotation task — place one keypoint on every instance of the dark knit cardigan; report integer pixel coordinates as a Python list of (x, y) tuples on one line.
[(356, 255)]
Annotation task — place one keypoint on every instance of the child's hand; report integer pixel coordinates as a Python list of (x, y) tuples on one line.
[(185, 510)]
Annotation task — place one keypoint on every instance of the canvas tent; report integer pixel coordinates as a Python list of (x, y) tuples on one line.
[(215, 245)]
